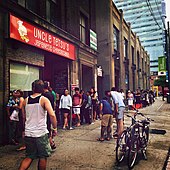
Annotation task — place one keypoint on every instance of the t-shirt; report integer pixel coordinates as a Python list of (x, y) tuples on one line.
[(50, 97), (117, 97), (107, 109), (76, 99), (11, 103)]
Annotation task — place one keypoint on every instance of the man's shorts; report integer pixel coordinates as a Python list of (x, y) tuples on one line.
[(120, 114), (76, 109), (37, 147), (107, 120)]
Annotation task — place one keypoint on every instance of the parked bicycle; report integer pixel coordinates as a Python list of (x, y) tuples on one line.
[(133, 139)]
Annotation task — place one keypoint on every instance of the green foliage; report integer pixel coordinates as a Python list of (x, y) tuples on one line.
[(161, 81)]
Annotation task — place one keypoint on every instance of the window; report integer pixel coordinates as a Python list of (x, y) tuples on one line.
[(15, 1), (83, 28), (22, 76), (37, 6), (125, 48), (116, 38), (138, 60), (133, 57), (33, 6), (20, 2), (53, 12)]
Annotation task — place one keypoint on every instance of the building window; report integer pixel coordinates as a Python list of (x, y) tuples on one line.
[(142, 64), (127, 80), (83, 28), (38, 7), (33, 6), (138, 60), (133, 57), (20, 2), (15, 1), (116, 38), (125, 48), (22, 76), (53, 12)]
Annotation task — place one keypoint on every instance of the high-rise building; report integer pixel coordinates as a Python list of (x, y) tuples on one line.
[(147, 20)]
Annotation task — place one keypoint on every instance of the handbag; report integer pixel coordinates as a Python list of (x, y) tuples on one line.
[(14, 116)]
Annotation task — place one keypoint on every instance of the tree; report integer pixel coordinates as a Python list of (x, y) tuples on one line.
[(161, 82)]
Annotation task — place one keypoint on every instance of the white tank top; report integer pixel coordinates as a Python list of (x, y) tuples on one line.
[(36, 118)]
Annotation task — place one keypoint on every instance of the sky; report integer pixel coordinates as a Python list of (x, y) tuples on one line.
[(167, 10)]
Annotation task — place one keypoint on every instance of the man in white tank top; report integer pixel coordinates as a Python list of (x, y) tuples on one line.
[(35, 109)]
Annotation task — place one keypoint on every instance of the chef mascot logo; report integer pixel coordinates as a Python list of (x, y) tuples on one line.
[(22, 31)]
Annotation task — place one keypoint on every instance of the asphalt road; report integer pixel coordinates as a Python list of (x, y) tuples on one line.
[(78, 149)]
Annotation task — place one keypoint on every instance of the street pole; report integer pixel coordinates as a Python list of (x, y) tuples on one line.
[(168, 55), (167, 38)]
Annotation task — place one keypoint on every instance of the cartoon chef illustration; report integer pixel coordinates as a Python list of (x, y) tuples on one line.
[(22, 31)]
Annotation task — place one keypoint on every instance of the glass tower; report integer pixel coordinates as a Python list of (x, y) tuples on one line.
[(147, 21)]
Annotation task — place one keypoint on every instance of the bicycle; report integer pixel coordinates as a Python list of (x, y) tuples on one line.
[(134, 138)]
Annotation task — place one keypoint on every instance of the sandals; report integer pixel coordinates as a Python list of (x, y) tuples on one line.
[(100, 139), (21, 148)]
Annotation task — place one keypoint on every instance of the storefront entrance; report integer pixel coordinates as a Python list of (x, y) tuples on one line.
[(56, 71), (87, 78)]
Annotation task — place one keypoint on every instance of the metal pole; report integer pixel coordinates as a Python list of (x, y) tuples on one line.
[(92, 115), (167, 54), (71, 121)]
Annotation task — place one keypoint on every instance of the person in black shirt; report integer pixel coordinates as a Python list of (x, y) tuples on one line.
[(50, 96)]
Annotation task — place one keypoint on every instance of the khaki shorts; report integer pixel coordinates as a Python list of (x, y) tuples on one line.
[(107, 120), (37, 147)]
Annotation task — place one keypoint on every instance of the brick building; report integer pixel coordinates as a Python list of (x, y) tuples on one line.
[(124, 61), (45, 39)]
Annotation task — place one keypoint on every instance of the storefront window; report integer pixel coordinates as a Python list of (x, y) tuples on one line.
[(22, 76)]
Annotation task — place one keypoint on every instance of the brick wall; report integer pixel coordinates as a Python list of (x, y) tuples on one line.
[(22, 53)]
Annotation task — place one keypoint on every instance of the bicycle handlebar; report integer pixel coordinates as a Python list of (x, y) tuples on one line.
[(138, 113)]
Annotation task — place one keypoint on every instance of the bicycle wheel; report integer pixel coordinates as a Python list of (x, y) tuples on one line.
[(132, 153), (144, 153), (146, 133), (145, 142), (121, 147)]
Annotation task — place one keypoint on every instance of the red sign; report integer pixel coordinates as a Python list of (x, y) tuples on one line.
[(73, 86), (29, 34)]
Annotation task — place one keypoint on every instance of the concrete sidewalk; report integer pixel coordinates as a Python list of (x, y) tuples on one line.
[(78, 149)]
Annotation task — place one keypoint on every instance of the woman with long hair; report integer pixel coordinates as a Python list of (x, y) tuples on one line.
[(65, 106), (94, 98)]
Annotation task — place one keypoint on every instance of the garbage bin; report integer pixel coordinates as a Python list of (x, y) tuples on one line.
[(168, 98)]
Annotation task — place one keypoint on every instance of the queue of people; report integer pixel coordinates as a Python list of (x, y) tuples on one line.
[(84, 107), (140, 98), (36, 117)]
